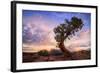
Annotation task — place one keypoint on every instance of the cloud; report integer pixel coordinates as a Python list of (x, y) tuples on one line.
[(79, 42), (38, 30)]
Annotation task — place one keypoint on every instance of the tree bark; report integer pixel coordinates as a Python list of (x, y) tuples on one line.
[(64, 50)]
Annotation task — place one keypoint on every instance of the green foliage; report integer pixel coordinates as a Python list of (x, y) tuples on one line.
[(68, 29), (43, 53)]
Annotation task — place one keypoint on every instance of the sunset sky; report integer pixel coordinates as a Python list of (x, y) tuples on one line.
[(38, 30)]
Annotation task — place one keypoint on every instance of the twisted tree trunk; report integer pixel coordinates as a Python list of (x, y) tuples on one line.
[(64, 50)]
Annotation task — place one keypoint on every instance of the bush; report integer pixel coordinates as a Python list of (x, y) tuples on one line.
[(56, 52), (43, 53)]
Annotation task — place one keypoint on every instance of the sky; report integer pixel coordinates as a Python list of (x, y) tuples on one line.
[(38, 30)]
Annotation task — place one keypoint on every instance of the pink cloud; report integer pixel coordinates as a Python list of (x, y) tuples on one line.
[(38, 23), (80, 42)]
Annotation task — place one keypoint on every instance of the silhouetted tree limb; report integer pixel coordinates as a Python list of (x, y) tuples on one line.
[(66, 31)]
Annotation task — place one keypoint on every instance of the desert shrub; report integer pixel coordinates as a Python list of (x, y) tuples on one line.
[(43, 53), (56, 52)]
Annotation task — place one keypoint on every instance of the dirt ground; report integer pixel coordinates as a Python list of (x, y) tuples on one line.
[(34, 57)]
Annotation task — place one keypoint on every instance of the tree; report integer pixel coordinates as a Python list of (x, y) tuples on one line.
[(66, 31)]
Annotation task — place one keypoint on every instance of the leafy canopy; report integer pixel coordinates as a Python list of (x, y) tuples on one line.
[(68, 29)]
